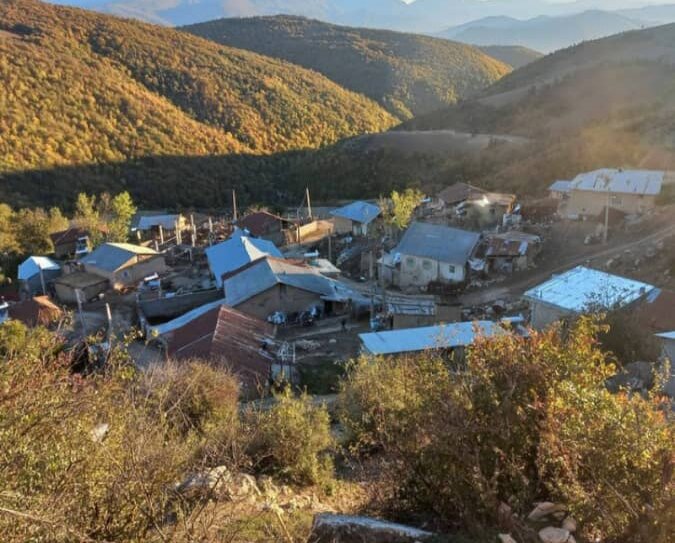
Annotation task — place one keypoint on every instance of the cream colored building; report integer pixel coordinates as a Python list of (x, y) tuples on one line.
[(123, 264)]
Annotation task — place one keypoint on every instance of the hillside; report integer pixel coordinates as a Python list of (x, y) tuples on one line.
[(407, 74), (512, 55), (544, 34), (81, 88)]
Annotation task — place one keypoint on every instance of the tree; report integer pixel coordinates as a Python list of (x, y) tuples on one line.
[(403, 206), (8, 241), (33, 229), (122, 210)]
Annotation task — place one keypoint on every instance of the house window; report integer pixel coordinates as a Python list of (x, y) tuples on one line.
[(451, 269), (617, 201), (410, 262), (426, 264)]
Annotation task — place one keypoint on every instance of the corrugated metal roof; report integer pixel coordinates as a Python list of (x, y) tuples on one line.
[(32, 266), (168, 222), (268, 272), (438, 242), (667, 335), (645, 182), (361, 212), (236, 252), (111, 256), (259, 223), (459, 192), (448, 336), (581, 287), (560, 186)]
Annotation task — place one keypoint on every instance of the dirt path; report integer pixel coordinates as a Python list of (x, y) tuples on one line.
[(519, 285)]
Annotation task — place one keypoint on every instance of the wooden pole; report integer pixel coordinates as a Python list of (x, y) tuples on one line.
[(42, 280), (309, 204), (161, 235), (235, 214)]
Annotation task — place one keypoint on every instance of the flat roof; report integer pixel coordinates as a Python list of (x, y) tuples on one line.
[(446, 336), (644, 182), (580, 288)]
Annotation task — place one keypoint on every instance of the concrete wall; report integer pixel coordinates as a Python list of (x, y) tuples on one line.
[(542, 315), (66, 293), (280, 298), (419, 272), (342, 226), (587, 203)]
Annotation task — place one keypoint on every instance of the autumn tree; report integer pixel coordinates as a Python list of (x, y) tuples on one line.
[(122, 210), (399, 209)]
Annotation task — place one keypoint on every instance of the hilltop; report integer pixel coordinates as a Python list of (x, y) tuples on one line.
[(78, 88), (407, 74)]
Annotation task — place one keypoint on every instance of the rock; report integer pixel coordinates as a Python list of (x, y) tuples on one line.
[(99, 432), (506, 538), (554, 535), (308, 345), (206, 482), (545, 509), (569, 524), (328, 528), (242, 485)]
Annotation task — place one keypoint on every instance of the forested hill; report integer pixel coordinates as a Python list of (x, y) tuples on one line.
[(515, 56), (408, 74), (79, 88)]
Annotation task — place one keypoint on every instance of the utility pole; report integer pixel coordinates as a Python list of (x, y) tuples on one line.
[(330, 247), (606, 232), (161, 234), (78, 297), (309, 204), (235, 214), (42, 280)]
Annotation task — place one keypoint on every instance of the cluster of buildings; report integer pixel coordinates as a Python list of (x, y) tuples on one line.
[(229, 292)]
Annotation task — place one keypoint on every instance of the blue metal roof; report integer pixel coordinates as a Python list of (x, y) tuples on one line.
[(561, 186), (446, 336), (32, 266), (667, 335), (361, 212), (438, 242), (580, 288), (236, 252)]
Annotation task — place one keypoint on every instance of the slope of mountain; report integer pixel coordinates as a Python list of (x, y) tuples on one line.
[(515, 56), (77, 87), (609, 102), (542, 33), (408, 74)]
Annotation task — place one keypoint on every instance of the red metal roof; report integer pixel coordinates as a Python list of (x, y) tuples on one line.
[(229, 337), (71, 235)]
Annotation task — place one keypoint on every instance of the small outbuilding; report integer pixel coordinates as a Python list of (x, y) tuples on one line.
[(265, 225), (123, 264), (36, 274), (89, 286), (355, 218), (580, 290)]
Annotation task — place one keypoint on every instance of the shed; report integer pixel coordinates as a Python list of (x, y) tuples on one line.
[(434, 253), (355, 217), (579, 290), (236, 252), (265, 225), (89, 285), (123, 264), (36, 273)]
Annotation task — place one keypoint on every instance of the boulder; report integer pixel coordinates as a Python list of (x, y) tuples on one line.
[(506, 538), (544, 510), (569, 524), (554, 535), (328, 528), (206, 482), (99, 432)]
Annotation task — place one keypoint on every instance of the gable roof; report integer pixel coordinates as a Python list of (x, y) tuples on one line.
[(361, 212), (259, 222), (581, 287), (224, 335), (36, 311), (71, 235), (147, 222), (446, 336), (268, 272), (112, 256), (438, 242), (644, 182), (667, 335), (236, 252), (33, 264), (459, 192)]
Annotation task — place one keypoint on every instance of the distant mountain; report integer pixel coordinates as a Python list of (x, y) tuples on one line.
[(651, 15), (512, 55), (544, 34), (82, 88), (407, 74)]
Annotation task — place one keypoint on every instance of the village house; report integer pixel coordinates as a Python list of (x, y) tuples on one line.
[(476, 206), (430, 253), (560, 190), (223, 336), (507, 253), (70, 243), (236, 252), (270, 285), (36, 274), (266, 225), (157, 224), (452, 337), (85, 285), (630, 191), (38, 311), (123, 264), (579, 290), (356, 218)]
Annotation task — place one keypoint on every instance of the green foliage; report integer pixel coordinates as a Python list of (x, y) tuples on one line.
[(84, 88), (291, 439), (407, 74), (402, 207), (122, 211), (527, 419)]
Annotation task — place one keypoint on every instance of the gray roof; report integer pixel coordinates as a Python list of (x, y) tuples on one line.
[(361, 212), (560, 186), (268, 272), (112, 256), (236, 252), (445, 336), (643, 182), (147, 222), (438, 242), (579, 288)]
